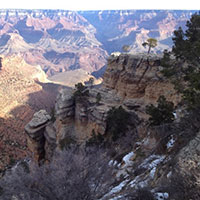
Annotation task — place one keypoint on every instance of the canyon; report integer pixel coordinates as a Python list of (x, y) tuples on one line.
[(60, 40), (45, 53), (24, 89), (44, 49)]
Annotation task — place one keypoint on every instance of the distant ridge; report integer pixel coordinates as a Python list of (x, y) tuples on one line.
[(63, 40)]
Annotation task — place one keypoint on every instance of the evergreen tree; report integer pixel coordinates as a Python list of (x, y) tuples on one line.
[(161, 114), (151, 43), (184, 68)]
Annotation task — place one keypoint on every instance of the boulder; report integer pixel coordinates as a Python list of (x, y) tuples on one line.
[(38, 123), (35, 132)]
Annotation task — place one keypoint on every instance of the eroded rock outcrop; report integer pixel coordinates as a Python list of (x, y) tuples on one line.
[(158, 155), (125, 84), (137, 79), (35, 130)]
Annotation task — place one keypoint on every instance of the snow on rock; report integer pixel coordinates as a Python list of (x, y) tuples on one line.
[(171, 142), (175, 115), (127, 166), (118, 197), (127, 159), (112, 163), (150, 164), (152, 172), (152, 161), (169, 174), (161, 196), (116, 189)]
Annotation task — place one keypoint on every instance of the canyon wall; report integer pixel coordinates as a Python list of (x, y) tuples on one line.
[(60, 40), (125, 84)]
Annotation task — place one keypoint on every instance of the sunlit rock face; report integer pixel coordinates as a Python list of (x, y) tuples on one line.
[(124, 84), (137, 81), (24, 90), (56, 40)]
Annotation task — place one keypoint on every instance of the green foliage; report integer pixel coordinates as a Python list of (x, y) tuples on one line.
[(187, 44), (81, 91), (161, 114), (80, 87), (151, 43), (117, 122), (98, 98), (184, 69), (66, 143), (96, 139)]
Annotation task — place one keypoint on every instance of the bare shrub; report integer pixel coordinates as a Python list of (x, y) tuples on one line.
[(141, 194), (72, 174)]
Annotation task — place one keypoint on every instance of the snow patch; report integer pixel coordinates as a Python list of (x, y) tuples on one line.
[(171, 142), (116, 189), (127, 166), (152, 161), (161, 196), (112, 163), (175, 115), (151, 164), (152, 172), (127, 159), (169, 174)]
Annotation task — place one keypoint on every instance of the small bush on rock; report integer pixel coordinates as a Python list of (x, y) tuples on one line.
[(162, 113), (117, 122)]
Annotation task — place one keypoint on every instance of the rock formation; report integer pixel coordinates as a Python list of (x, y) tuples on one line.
[(77, 117), (57, 41), (35, 130), (24, 90), (137, 82), (156, 155)]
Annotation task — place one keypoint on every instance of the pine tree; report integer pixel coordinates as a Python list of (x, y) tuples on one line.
[(151, 43), (184, 70)]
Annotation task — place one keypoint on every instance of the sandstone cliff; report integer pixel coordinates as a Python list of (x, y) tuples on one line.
[(163, 154), (125, 84), (137, 80)]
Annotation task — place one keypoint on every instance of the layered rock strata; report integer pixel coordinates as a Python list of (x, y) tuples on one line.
[(125, 84), (35, 130), (138, 77)]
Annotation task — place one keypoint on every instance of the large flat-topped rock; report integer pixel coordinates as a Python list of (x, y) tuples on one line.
[(39, 118), (35, 127), (138, 77), (35, 130)]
